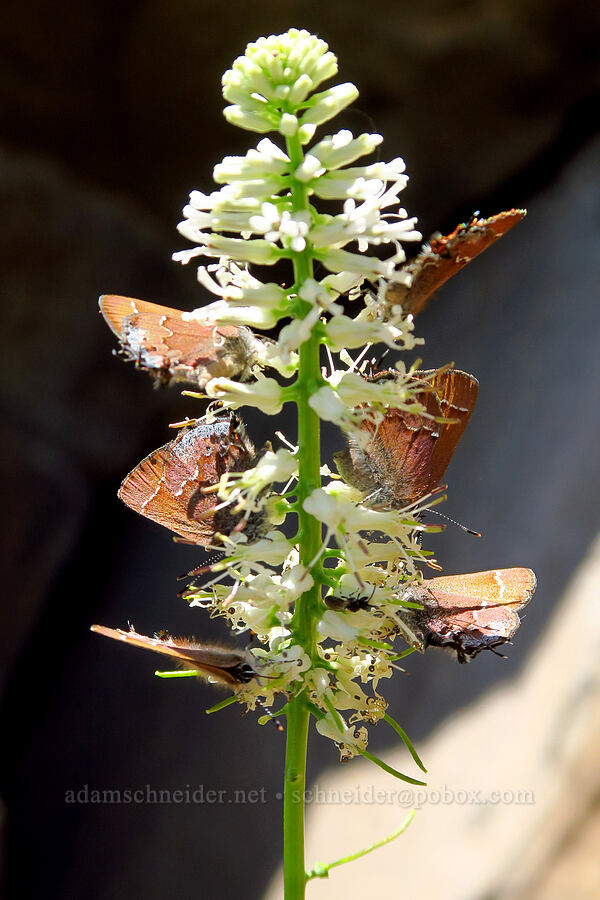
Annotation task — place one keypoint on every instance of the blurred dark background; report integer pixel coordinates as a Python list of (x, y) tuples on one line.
[(111, 113)]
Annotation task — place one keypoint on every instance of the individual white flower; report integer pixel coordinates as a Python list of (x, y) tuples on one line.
[(342, 184), (265, 394), (288, 659), (326, 105), (266, 159), (350, 740), (344, 332), (337, 627), (338, 260), (343, 283), (288, 125), (319, 682), (398, 393), (363, 182), (368, 667), (260, 119), (238, 288), (296, 581), (243, 616), (315, 293), (339, 515), (310, 168), (293, 335), (277, 509), (329, 406), (259, 252), (275, 360), (243, 489), (364, 554), (223, 313), (271, 549), (279, 638), (341, 149)]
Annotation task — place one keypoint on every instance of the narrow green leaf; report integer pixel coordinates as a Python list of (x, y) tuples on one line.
[(389, 769), (406, 740), (178, 673), (218, 706), (404, 653)]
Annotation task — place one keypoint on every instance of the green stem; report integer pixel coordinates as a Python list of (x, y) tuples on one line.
[(294, 876), (303, 624), (321, 870)]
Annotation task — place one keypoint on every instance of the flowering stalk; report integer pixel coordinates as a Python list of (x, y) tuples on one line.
[(327, 603), (267, 200)]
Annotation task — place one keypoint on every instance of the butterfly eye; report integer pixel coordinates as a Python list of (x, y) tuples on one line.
[(246, 673)]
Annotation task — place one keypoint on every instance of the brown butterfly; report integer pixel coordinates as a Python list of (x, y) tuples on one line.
[(170, 485), (468, 613), (443, 257), (407, 455), (219, 665), (173, 349)]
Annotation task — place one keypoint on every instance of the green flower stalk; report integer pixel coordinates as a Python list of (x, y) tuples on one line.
[(327, 603)]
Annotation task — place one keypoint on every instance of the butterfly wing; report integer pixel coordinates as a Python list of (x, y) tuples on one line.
[(473, 612), (443, 257), (161, 341), (222, 665), (168, 485), (454, 393), (408, 454), (507, 588)]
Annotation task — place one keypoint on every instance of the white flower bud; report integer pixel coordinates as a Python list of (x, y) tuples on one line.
[(341, 150), (300, 90), (309, 169), (250, 120), (288, 125), (367, 266), (330, 103)]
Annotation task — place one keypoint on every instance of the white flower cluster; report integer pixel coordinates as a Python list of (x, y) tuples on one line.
[(262, 213)]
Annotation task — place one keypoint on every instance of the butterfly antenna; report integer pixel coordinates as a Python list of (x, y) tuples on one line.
[(454, 522), (276, 722), (201, 570)]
